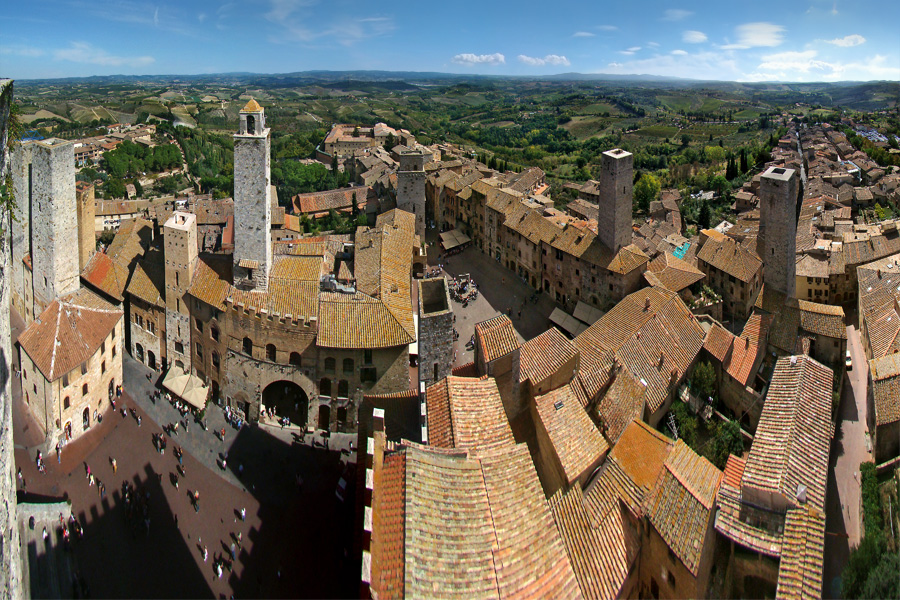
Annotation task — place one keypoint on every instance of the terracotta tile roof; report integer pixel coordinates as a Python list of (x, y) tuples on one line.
[(822, 319), (107, 275), (734, 519), (467, 370), (357, 321), (252, 106), (641, 453), (730, 257), (757, 328), (148, 280), (793, 437), (212, 280), (341, 199), (467, 413), (656, 344), (596, 543), (802, 564), (790, 316), (212, 211), (131, 239), (681, 504), (718, 342), (879, 295), (628, 259), (743, 357), (68, 332), (545, 355), (497, 337), (392, 516), (622, 404), (674, 273), (576, 441), (474, 526), (612, 488), (886, 388)]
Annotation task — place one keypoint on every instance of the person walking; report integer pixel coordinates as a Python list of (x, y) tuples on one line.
[(205, 554), (115, 466), (233, 551), (243, 514), (139, 420), (58, 453)]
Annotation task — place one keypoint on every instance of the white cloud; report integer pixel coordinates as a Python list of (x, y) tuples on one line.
[(550, 59), (701, 65), (679, 52), (753, 35), (583, 34), (847, 41), (615, 65), (634, 48), (479, 59), (653, 44), (82, 52), (693, 37), (606, 27), (793, 61), (804, 66), (201, 17), (676, 14), (24, 51)]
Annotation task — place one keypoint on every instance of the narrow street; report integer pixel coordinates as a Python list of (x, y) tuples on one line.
[(848, 450)]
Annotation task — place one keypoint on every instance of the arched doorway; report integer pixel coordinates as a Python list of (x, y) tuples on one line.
[(86, 419), (151, 359), (324, 416), (288, 399), (112, 388), (139, 352)]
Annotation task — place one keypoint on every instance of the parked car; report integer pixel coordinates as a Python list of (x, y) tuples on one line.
[(848, 362)]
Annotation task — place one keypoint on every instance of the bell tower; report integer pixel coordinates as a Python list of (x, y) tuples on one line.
[(252, 200)]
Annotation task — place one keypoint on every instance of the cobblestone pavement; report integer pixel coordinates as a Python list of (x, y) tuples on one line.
[(301, 531), (500, 291)]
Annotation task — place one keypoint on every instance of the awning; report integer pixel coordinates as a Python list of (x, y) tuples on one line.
[(454, 238), (188, 387), (567, 322), (586, 313)]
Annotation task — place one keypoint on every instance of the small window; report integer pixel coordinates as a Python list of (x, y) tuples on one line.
[(343, 389), (84, 390), (295, 359), (84, 368), (330, 364), (199, 349), (66, 403), (65, 380), (103, 367), (114, 351), (271, 352), (199, 324), (214, 333), (102, 347), (215, 359), (348, 365), (248, 346), (179, 347)]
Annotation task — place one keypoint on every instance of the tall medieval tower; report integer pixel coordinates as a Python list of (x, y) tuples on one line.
[(180, 243), (45, 235), (252, 200), (778, 216), (411, 187), (435, 335), (614, 221), (86, 212)]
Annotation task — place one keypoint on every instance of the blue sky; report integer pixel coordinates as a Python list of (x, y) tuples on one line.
[(815, 40)]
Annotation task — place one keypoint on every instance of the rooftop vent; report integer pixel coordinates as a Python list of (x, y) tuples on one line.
[(801, 494), (558, 405)]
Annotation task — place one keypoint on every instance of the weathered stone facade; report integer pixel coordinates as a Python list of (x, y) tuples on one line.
[(181, 256), (435, 336), (87, 242), (148, 333), (614, 223), (252, 201), (411, 186), (778, 216), (10, 558)]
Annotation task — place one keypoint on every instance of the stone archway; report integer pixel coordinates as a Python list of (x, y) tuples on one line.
[(139, 353), (86, 419), (151, 359), (288, 399)]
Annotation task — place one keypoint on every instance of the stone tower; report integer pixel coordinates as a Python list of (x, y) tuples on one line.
[(87, 242), (614, 220), (435, 335), (252, 200), (778, 217), (411, 186), (47, 227), (180, 239)]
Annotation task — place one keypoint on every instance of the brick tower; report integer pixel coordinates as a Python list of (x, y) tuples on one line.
[(614, 221), (252, 200), (435, 335), (180, 243), (47, 224), (778, 217), (411, 186)]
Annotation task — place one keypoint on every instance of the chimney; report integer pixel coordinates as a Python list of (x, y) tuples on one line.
[(647, 303)]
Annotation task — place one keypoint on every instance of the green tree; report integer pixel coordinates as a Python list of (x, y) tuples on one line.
[(685, 139), (646, 190), (354, 209), (726, 441), (744, 166), (703, 380), (704, 219), (115, 188)]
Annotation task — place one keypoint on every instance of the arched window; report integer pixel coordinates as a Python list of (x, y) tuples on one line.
[(295, 359), (343, 389), (251, 124), (348, 365), (330, 364), (215, 359), (66, 402), (248, 346), (271, 353), (325, 387), (84, 390)]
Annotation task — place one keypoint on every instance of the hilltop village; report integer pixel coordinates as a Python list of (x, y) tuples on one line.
[(544, 467)]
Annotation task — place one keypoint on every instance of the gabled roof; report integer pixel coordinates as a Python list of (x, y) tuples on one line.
[(497, 337), (466, 413), (106, 275), (681, 504), (730, 257), (545, 355), (622, 404), (148, 280), (800, 572), (641, 452), (68, 332), (673, 272), (793, 437), (886, 388)]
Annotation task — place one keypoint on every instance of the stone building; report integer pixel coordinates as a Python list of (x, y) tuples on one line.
[(778, 217), (71, 359), (180, 239), (732, 270), (436, 331), (614, 222), (45, 239), (87, 241), (411, 186), (147, 311)]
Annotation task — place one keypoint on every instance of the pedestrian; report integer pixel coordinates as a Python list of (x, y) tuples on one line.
[(223, 434), (91, 479), (205, 554), (115, 466), (233, 551), (243, 514), (139, 420), (102, 489), (239, 539), (58, 455), (20, 476), (45, 535)]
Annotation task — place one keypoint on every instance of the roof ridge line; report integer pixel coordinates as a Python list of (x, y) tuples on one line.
[(55, 338)]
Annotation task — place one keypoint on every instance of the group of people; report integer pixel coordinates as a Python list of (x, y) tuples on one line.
[(70, 529), (233, 418), (137, 508), (463, 290)]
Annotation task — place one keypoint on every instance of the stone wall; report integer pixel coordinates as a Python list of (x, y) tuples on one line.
[(151, 341), (252, 207), (87, 241), (180, 239), (10, 558), (411, 187), (435, 335), (20, 169), (614, 223), (778, 217)]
